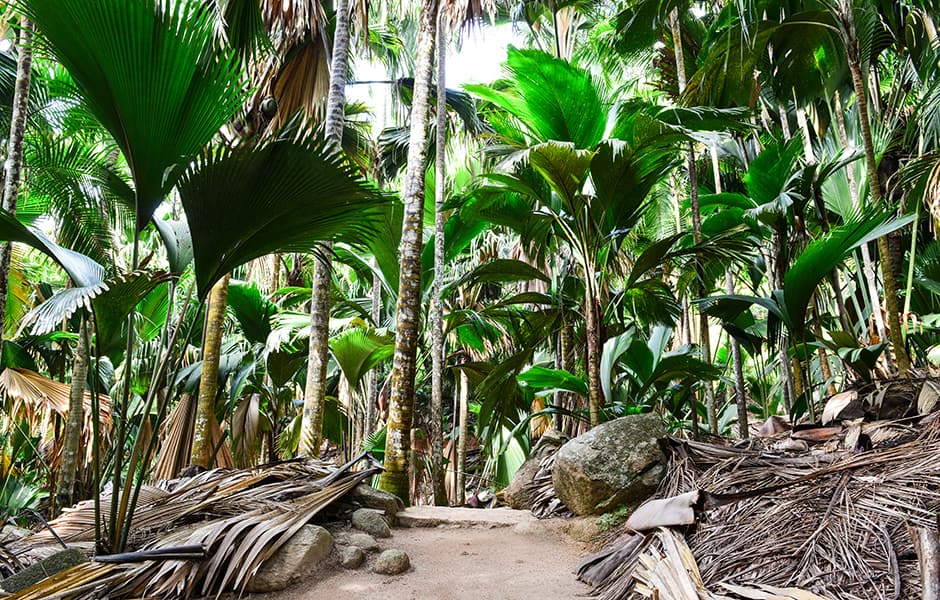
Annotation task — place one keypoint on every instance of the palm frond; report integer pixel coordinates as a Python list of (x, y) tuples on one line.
[(150, 72), (284, 196)]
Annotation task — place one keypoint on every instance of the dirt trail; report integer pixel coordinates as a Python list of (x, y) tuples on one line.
[(457, 561)]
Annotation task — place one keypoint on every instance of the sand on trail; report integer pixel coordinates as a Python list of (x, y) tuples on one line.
[(457, 561)]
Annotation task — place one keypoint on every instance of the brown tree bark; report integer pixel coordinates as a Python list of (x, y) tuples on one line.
[(14, 162), (408, 309), (73, 429), (209, 381), (437, 308), (311, 429)]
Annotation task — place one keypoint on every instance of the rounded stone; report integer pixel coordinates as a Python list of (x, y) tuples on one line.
[(616, 463), (351, 557), (372, 522), (392, 562)]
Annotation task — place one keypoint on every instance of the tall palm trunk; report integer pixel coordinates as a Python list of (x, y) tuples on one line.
[(202, 449), (14, 162), (704, 341), (437, 308), (853, 53), (408, 309), (73, 427), (311, 429)]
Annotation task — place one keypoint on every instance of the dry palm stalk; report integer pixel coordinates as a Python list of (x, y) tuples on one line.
[(835, 523), (241, 518)]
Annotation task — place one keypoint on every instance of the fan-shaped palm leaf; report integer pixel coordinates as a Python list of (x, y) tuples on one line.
[(284, 196), (150, 72)]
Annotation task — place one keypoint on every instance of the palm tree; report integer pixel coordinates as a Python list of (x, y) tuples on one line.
[(315, 389), (14, 161)]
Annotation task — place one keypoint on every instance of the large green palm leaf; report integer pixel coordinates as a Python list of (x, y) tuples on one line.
[(150, 72), (284, 196)]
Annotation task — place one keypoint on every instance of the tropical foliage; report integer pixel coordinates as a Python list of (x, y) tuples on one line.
[(717, 212)]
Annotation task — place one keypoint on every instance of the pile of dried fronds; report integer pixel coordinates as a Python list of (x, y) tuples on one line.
[(237, 519), (833, 522)]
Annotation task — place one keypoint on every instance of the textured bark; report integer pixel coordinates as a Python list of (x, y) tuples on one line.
[(315, 389), (14, 162), (73, 429), (209, 380), (311, 426), (592, 332), (437, 309), (927, 546), (407, 311), (463, 428), (853, 52)]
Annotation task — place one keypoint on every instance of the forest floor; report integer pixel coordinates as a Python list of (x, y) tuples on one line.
[(459, 554)]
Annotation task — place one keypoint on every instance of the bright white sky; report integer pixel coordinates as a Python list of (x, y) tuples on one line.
[(478, 60)]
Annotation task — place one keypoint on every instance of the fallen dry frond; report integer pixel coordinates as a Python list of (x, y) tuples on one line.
[(833, 522), (241, 518)]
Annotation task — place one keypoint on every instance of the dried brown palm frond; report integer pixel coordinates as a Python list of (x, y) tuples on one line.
[(834, 522), (31, 396), (241, 518), (175, 447)]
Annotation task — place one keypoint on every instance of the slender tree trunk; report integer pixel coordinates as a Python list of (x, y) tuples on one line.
[(14, 162), (372, 393), (853, 52), (704, 341), (311, 428), (867, 265), (209, 381), (463, 428), (437, 309), (401, 401), (592, 332), (73, 429)]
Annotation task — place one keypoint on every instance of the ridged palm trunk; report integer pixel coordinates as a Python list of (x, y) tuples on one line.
[(209, 381), (853, 53), (408, 309), (73, 429), (462, 432), (311, 429), (437, 308), (14, 162), (704, 341), (592, 316)]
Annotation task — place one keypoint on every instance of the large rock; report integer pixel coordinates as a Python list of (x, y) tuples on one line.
[(367, 496), (616, 463), (298, 557), (351, 557), (363, 541), (392, 562), (47, 567), (520, 493), (372, 522)]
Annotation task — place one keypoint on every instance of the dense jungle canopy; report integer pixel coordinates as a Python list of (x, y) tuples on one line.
[(714, 211)]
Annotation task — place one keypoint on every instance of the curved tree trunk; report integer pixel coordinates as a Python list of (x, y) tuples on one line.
[(437, 308), (14, 162), (73, 428), (853, 53), (209, 380), (407, 312), (311, 429)]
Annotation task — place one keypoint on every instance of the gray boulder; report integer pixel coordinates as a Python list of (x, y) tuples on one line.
[(351, 557), (616, 463), (392, 562), (520, 493), (302, 554), (372, 522), (47, 567), (367, 496)]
